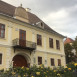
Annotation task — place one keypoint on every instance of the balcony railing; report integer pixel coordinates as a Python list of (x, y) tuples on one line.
[(24, 44)]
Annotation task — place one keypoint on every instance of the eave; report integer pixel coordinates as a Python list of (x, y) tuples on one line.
[(32, 25)]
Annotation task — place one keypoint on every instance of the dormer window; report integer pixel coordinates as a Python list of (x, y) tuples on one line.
[(40, 24), (2, 30)]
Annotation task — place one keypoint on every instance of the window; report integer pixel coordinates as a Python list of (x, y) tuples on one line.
[(59, 62), (41, 24), (0, 58), (50, 42), (52, 62), (2, 30), (57, 44), (22, 34), (39, 39), (39, 60)]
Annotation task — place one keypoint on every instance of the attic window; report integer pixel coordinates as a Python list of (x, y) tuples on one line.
[(41, 24)]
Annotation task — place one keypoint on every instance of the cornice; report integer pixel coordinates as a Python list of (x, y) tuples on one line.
[(14, 20)]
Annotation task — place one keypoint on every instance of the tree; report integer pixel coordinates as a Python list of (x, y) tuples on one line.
[(75, 45), (69, 55)]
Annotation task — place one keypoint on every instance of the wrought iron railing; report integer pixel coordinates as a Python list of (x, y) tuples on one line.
[(24, 43)]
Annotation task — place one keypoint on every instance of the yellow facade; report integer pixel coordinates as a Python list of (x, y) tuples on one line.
[(9, 50), (12, 28)]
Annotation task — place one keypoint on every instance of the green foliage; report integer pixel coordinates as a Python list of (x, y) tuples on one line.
[(41, 71), (75, 45), (67, 48), (69, 55)]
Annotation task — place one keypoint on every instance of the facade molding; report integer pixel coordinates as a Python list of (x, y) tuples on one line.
[(54, 53), (30, 25)]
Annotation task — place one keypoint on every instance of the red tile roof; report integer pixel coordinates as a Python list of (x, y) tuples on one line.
[(68, 40)]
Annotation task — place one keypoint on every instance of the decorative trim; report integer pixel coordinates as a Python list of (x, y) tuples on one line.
[(5, 45), (31, 25), (54, 53)]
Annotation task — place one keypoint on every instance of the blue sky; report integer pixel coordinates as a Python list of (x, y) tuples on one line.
[(60, 15)]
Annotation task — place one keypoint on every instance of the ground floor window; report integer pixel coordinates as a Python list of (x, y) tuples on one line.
[(52, 62), (0, 58), (39, 60), (59, 62)]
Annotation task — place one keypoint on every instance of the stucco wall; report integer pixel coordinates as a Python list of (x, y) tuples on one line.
[(12, 28)]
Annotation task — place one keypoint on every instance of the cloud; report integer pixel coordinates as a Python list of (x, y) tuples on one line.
[(43, 6), (63, 21), (59, 15)]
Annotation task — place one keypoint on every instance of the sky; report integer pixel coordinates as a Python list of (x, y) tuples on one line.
[(60, 15)]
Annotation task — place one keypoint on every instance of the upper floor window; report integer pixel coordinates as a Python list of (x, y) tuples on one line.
[(50, 42), (0, 58), (59, 62), (52, 62), (39, 39), (2, 30), (57, 44), (39, 60)]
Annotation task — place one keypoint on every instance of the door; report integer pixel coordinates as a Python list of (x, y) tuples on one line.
[(22, 38), (19, 61)]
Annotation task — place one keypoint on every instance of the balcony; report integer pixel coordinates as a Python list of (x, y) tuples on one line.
[(24, 44)]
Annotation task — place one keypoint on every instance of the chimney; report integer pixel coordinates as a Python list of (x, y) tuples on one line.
[(28, 9)]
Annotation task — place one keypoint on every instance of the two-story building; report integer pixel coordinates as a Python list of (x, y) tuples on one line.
[(26, 40)]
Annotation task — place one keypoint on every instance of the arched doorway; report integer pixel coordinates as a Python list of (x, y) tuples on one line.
[(19, 61)]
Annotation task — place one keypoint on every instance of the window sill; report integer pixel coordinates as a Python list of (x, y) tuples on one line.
[(2, 38), (52, 65), (51, 47), (59, 65), (39, 45), (39, 64), (58, 49), (0, 64)]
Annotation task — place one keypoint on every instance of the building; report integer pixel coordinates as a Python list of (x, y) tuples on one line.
[(68, 40), (26, 40)]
